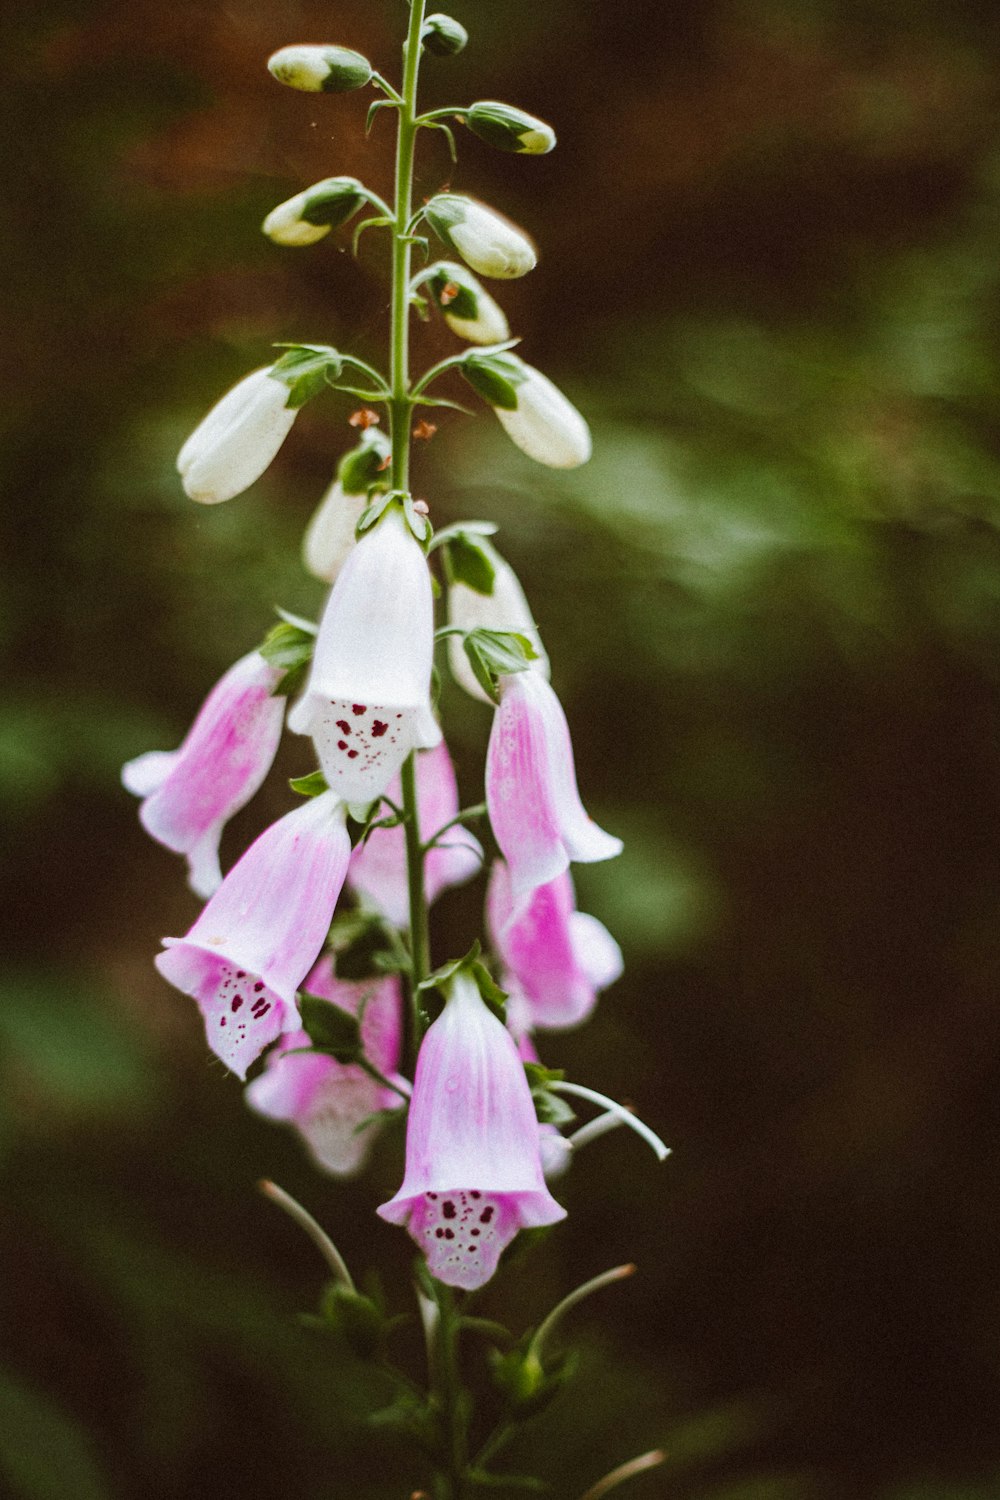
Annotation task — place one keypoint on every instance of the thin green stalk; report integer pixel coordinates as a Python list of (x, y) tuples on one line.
[(420, 947), (451, 1481), (400, 403)]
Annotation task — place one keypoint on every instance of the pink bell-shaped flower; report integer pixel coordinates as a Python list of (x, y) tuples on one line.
[(325, 1100), (259, 935), (473, 1171), (378, 867), (190, 794), (367, 702), (560, 957), (535, 810)]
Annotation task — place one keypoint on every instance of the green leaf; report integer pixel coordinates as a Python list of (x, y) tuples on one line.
[(365, 465), (312, 785), (468, 561), (291, 647), (355, 1317), (330, 1028), (495, 377), (306, 369), (550, 1108), (362, 945), (494, 653)]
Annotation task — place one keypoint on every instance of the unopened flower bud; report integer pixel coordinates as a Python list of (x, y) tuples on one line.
[(510, 129), (236, 442), (320, 69), (311, 214), (443, 35), (536, 415), (467, 306), (485, 240)]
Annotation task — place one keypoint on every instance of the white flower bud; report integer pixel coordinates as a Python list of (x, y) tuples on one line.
[(311, 214), (485, 240), (329, 537), (505, 609), (466, 305), (536, 415), (236, 442), (510, 129), (320, 69)]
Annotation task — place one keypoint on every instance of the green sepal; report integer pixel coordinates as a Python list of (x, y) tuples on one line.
[(464, 304), (463, 528), (306, 369), (472, 965), (467, 561), (313, 785), (290, 647), (376, 509), (330, 1028), (362, 467), (348, 70), (355, 1317), (420, 526), (550, 1108), (333, 201), (526, 1384), (507, 128), (443, 35), (496, 653)]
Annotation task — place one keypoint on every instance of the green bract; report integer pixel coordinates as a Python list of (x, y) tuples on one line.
[(495, 377), (365, 465), (320, 69), (510, 129), (443, 35)]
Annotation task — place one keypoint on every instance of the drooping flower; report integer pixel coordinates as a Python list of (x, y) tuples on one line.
[(261, 932), (505, 608), (509, 129), (367, 702), (325, 1100), (319, 69), (378, 866), (233, 445), (535, 810), (560, 957), (534, 413), (190, 794), (485, 240), (466, 305), (443, 35), (329, 537), (473, 1171)]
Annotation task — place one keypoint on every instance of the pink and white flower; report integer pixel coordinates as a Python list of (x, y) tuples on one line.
[(535, 810), (325, 1100), (367, 703), (260, 934), (559, 957), (378, 867), (473, 1169), (190, 794)]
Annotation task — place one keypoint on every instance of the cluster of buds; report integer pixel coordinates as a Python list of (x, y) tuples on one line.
[(309, 959)]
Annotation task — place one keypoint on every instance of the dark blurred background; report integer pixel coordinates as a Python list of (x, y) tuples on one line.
[(770, 278)]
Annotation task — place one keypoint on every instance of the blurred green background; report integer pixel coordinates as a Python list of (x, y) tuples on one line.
[(770, 278)]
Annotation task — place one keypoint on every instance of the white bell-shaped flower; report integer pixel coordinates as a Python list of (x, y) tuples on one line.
[(535, 414), (367, 703), (485, 240)]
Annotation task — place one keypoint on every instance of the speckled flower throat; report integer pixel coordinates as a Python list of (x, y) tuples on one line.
[(310, 960)]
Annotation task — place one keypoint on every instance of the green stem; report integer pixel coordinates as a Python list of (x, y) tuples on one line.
[(420, 947), (400, 402), (448, 1390)]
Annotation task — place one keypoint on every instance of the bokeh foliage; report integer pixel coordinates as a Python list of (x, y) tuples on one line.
[(770, 277)]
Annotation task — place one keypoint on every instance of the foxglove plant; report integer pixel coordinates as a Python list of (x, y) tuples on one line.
[(311, 961)]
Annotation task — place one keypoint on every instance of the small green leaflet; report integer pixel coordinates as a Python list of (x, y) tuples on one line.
[(312, 785), (306, 369), (469, 562), (330, 1028), (290, 647), (493, 653)]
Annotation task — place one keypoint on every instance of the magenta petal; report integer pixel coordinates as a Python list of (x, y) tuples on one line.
[(472, 1130), (265, 924), (520, 795), (191, 793)]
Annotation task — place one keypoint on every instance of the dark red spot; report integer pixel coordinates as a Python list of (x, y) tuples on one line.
[(449, 1234), (223, 1021), (359, 708), (343, 726), (439, 1234), (486, 1215), (475, 1231), (448, 1209), (378, 728), (237, 1002), (241, 973), (341, 744), (433, 1197), (260, 1008), (258, 986), (475, 1194), (352, 755)]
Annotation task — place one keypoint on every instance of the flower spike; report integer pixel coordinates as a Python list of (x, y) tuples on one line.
[(473, 1171), (190, 794), (259, 935)]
